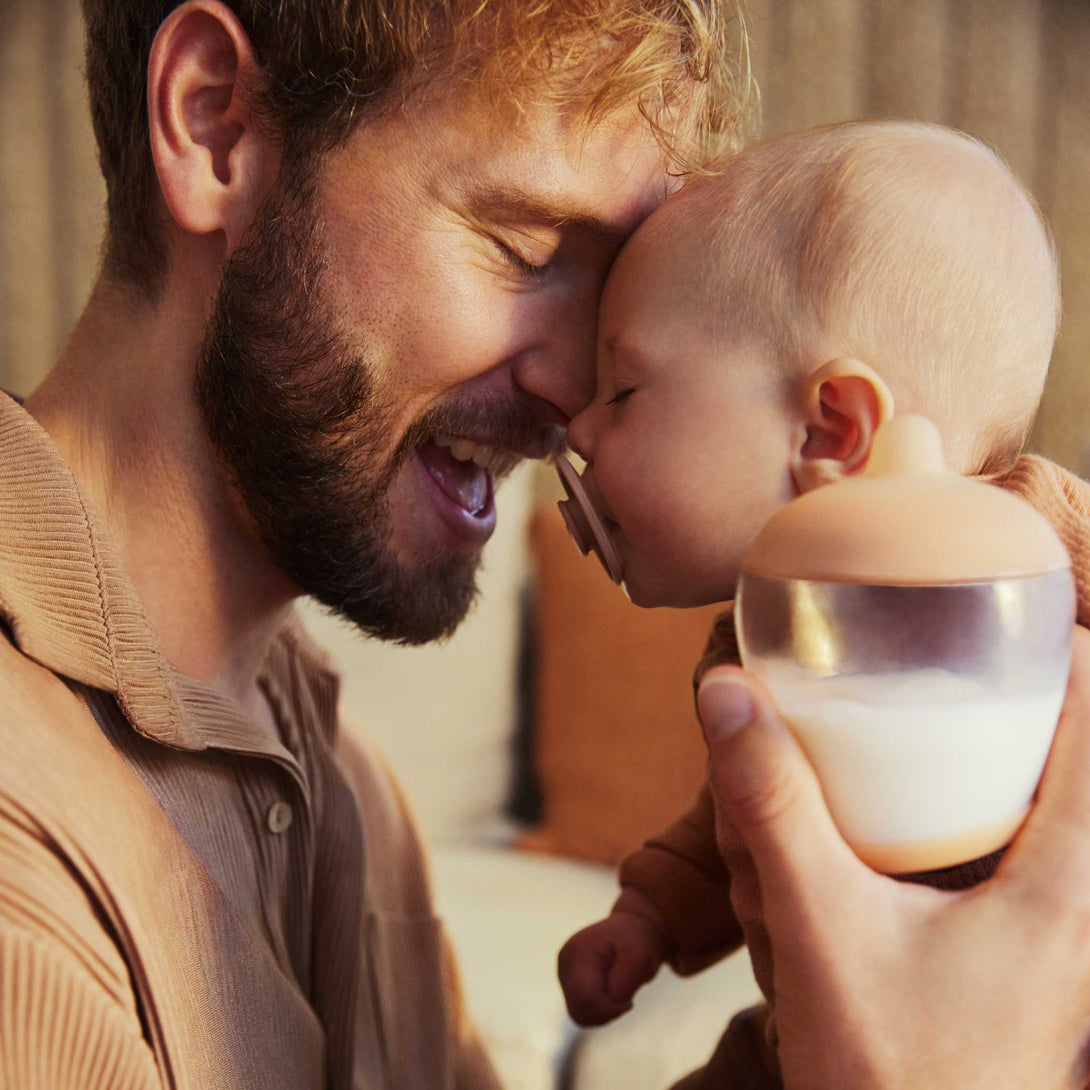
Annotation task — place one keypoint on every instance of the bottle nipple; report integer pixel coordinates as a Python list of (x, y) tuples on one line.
[(908, 445), (906, 520), (585, 525)]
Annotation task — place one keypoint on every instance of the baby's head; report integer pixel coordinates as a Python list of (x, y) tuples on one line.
[(758, 328)]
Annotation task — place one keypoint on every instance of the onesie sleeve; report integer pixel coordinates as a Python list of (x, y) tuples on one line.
[(680, 871), (682, 874)]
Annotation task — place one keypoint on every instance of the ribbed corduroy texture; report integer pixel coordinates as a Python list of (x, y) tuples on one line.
[(57, 1033), (186, 901)]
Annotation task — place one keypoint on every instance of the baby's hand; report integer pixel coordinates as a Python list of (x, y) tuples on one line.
[(601, 966)]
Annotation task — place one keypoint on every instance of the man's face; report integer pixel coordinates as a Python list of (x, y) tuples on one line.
[(399, 331)]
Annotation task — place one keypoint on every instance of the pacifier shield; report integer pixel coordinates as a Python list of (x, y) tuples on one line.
[(585, 525)]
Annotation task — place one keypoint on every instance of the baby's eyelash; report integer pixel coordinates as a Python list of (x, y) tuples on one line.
[(620, 396)]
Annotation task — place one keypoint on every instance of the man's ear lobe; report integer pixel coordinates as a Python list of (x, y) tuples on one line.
[(211, 159), (844, 402)]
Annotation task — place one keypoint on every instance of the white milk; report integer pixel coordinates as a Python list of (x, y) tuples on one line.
[(921, 757)]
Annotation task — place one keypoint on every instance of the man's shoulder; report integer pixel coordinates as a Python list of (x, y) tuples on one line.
[(372, 780), (38, 788), (29, 691), (48, 742), (397, 866)]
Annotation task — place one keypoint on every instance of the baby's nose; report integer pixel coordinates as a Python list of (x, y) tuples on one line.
[(581, 435)]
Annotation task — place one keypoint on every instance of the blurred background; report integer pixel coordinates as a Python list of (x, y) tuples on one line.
[(555, 730)]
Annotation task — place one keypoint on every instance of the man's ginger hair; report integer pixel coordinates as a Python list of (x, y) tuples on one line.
[(912, 247), (330, 65)]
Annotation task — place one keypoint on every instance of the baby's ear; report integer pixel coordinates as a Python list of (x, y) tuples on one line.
[(843, 404)]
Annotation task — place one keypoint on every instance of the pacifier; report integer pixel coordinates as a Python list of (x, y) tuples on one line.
[(585, 525)]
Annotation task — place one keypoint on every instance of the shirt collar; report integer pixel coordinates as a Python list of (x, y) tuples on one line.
[(71, 607)]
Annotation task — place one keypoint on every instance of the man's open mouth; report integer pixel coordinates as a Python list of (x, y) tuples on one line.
[(464, 470)]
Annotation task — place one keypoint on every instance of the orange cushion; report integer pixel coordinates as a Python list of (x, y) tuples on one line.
[(617, 744)]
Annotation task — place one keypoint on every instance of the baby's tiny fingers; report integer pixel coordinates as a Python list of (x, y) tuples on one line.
[(583, 970)]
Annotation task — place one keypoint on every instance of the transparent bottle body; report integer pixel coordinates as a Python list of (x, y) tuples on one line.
[(927, 711)]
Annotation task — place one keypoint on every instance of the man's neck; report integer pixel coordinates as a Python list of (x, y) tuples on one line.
[(120, 406)]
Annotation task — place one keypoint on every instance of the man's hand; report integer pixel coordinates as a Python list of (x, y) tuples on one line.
[(881, 984)]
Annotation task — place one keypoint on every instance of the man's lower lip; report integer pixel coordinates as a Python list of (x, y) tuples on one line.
[(468, 531)]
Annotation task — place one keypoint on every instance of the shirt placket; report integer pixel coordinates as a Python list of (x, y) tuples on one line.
[(282, 828)]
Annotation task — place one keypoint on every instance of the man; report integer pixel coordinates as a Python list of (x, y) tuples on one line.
[(351, 275)]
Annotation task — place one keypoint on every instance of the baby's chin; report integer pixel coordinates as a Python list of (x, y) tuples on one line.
[(672, 593)]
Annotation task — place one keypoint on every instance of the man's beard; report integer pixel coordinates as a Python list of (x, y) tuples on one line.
[(303, 431)]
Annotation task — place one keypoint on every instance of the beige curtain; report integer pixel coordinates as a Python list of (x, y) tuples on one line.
[(1015, 72), (51, 193)]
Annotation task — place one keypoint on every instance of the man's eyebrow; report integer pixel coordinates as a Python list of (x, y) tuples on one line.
[(525, 205)]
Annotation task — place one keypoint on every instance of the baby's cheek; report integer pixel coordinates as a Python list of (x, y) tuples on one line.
[(658, 512), (704, 553), (668, 545)]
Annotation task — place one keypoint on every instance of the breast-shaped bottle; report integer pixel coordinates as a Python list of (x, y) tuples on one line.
[(914, 627)]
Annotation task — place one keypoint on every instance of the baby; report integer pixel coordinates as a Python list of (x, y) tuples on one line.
[(754, 334)]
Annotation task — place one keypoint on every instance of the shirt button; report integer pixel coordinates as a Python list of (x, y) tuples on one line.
[(279, 817)]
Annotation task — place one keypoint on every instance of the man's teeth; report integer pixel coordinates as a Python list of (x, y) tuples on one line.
[(465, 450)]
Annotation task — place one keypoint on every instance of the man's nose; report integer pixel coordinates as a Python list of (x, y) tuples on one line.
[(560, 368)]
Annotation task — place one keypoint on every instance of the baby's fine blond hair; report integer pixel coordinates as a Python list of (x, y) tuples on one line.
[(909, 246)]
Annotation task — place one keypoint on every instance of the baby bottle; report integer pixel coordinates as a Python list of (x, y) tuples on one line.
[(914, 627)]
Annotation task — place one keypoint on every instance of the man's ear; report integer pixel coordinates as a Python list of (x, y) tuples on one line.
[(213, 161), (843, 404)]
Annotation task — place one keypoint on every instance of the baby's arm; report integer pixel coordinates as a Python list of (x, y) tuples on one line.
[(602, 966), (681, 873), (674, 906)]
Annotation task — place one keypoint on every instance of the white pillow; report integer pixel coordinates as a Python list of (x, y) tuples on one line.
[(508, 913)]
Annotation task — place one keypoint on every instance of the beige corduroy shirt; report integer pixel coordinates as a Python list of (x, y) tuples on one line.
[(185, 901)]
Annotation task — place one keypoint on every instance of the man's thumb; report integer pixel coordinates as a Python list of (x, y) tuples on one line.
[(762, 781)]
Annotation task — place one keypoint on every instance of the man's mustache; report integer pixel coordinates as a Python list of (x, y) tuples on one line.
[(510, 425)]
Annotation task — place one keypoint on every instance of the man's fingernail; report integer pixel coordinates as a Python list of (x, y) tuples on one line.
[(725, 706)]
